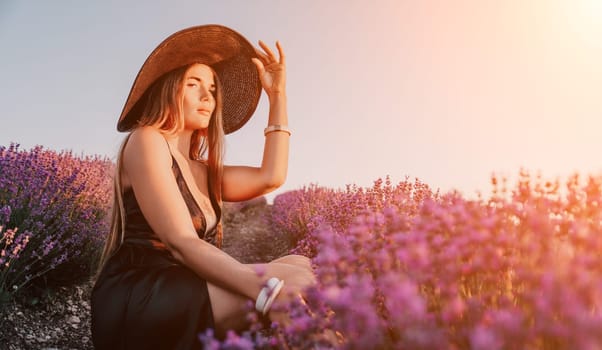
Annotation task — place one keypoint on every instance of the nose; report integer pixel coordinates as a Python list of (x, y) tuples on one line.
[(205, 94)]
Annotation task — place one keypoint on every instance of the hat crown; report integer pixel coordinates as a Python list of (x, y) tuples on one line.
[(222, 48)]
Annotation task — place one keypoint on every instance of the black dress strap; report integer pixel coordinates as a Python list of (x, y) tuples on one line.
[(198, 216), (171, 154)]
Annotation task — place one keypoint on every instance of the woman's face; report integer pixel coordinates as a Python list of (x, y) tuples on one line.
[(199, 96)]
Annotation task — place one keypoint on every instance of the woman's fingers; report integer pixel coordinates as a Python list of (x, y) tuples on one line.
[(259, 65), (281, 53), (262, 56), (269, 56), (268, 51)]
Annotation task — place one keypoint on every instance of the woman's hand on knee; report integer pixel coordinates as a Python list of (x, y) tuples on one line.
[(296, 278), (300, 277)]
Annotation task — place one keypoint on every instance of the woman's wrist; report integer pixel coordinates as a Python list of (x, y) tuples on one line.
[(276, 128), (277, 98)]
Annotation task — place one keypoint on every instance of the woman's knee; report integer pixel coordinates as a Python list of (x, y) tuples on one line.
[(179, 292), (295, 259), (182, 283)]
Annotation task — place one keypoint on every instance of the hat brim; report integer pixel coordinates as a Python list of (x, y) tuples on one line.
[(222, 48)]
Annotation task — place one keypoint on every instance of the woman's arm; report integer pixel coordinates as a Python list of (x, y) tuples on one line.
[(243, 182), (147, 164)]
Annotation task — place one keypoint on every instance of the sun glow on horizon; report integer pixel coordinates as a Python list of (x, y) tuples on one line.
[(585, 18)]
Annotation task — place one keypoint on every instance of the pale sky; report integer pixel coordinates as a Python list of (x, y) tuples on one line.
[(445, 91)]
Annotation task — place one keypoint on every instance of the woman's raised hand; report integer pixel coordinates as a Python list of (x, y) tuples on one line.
[(272, 70)]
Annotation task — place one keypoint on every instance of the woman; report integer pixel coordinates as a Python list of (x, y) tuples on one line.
[(162, 278)]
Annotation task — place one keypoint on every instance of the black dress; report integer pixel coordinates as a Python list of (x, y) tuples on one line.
[(144, 298)]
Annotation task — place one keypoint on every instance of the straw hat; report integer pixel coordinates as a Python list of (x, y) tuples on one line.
[(225, 50)]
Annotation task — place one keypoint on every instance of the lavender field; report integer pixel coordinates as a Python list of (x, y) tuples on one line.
[(399, 266), (53, 216)]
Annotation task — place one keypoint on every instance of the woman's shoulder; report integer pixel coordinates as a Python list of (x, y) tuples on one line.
[(146, 143), (146, 137), (147, 133)]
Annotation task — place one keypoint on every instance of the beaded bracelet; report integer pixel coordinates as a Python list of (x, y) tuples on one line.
[(272, 128)]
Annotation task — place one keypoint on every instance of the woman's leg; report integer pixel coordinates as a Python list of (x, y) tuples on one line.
[(296, 260), (230, 309)]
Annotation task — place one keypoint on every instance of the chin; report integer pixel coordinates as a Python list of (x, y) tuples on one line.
[(203, 129), (197, 126), (203, 125)]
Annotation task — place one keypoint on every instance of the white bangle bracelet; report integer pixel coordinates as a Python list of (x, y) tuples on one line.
[(266, 293), (273, 294), (272, 128)]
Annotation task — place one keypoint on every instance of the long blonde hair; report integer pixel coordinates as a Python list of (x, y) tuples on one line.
[(163, 109)]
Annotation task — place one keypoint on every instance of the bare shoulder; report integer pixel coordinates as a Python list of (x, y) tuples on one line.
[(146, 151), (144, 137), (146, 144)]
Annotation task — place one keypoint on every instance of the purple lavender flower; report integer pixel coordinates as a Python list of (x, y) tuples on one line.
[(62, 202)]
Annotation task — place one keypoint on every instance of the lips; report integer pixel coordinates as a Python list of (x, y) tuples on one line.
[(203, 111)]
